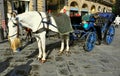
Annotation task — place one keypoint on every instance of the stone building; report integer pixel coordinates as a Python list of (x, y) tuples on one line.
[(92, 6), (83, 6)]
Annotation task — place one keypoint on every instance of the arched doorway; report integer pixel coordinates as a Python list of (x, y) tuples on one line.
[(74, 9), (93, 9), (84, 9)]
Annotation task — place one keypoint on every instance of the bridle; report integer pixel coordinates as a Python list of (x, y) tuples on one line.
[(15, 24)]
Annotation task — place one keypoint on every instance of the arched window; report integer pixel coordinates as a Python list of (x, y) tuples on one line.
[(93, 9), (104, 10), (99, 9), (74, 9), (84, 9)]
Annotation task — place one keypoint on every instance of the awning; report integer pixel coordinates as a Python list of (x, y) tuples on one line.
[(85, 10), (74, 9), (20, 0), (24, 0)]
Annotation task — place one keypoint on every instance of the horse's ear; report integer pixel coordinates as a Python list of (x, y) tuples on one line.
[(8, 15)]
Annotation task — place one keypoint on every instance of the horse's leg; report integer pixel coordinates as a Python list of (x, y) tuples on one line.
[(62, 45), (67, 44), (43, 39), (39, 47)]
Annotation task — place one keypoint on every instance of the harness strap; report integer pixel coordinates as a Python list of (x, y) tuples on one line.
[(13, 35), (41, 29), (41, 17)]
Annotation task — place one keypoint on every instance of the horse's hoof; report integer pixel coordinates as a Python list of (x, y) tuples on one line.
[(67, 53), (43, 61), (15, 51), (60, 53)]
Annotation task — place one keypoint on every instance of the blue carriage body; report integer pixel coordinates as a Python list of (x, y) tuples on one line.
[(84, 31)]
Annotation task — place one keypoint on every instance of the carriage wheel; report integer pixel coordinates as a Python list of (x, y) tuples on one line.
[(110, 35), (90, 41)]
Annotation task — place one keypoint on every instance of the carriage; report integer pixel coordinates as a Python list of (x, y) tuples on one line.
[(84, 31), (93, 27), (104, 21)]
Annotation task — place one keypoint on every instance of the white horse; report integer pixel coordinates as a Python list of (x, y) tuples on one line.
[(38, 23), (117, 21)]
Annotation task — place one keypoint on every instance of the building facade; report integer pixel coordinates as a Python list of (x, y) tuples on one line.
[(80, 6), (6, 6), (92, 6)]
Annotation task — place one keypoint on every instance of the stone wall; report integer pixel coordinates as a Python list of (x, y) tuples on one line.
[(0, 17), (90, 5), (40, 5)]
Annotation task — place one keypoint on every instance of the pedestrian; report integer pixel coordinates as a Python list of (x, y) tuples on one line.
[(117, 21)]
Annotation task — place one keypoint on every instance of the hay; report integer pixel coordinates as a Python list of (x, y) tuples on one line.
[(15, 44)]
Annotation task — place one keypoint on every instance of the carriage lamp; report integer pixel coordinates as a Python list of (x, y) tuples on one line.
[(85, 25)]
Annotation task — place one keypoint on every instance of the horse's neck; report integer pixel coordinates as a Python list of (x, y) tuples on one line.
[(53, 26), (30, 20), (35, 21)]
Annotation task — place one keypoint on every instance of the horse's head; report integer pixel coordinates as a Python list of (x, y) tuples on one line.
[(12, 24), (13, 31)]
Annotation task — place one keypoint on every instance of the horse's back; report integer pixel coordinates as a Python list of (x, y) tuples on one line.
[(30, 19)]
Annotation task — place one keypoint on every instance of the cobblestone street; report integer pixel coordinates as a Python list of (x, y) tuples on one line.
[(104, 60)]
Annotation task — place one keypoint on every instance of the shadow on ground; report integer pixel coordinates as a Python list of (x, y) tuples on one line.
[(21, 70), (49, 49), (4, 65)]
